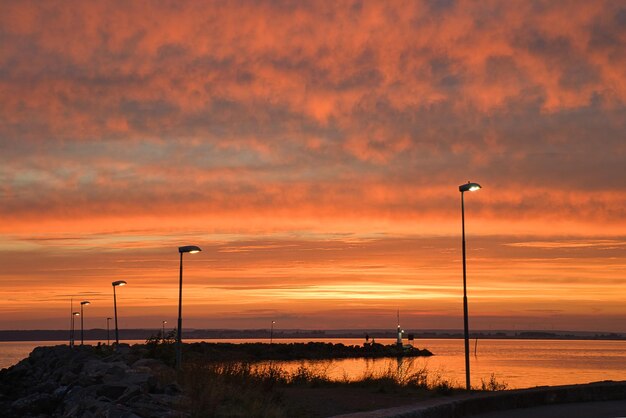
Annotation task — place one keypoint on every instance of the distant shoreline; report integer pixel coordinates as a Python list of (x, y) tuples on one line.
[(142, 334)]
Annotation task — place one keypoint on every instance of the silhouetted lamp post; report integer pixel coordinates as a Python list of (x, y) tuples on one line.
[(272, 332), (191, 249), (108, 339), (71, 320), (116, 284), (469, 187), (83, 303), (73, 315), (163, 330)]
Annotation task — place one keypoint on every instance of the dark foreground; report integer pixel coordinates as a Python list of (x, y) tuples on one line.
[(592, 400), (138, 381), (89, 382), (608, 409)]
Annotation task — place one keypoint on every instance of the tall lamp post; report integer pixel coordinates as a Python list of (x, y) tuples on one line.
[(108, 339), (272, 332), (83, 303), (73, 315), (71, 321), (191, 249), (469, 187), (117, 334), (163, 330)]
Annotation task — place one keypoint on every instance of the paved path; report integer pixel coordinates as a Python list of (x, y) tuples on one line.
[(572, 401), (611, 409)]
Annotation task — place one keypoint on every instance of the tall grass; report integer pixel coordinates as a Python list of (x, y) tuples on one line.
[(408, 375), (241, 389), (236, 389), (232, 390), (492, 384)]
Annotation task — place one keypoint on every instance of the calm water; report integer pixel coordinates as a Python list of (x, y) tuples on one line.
[(519, 363)]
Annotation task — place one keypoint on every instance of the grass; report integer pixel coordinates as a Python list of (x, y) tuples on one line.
[(242, 389), (234, 389), (493, 384)]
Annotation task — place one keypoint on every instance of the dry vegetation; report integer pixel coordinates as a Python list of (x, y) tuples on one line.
[(244, 388), (239, 389)]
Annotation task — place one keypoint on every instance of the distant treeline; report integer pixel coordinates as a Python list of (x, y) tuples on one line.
[(143, 334)]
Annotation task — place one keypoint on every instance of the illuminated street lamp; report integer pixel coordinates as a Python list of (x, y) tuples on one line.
[(73, 315), (163, 331), (469, 187), (108, 339), (83, 303), (116, 284), (272, 331), (191, 249)]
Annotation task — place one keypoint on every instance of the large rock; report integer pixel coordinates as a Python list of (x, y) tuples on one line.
[(35, 403), (88, 382)]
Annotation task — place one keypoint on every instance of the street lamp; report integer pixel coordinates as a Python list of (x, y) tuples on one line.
[(108, 339), (191, 249), (71, 320), (83, 303), (163, 331), (73, 315), (272, 331), (116, 284), (469, 187)]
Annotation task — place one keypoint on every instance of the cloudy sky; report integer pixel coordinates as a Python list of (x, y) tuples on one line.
[(314, 151)]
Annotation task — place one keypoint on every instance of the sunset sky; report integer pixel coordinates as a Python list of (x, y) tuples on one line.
[(313, 150)]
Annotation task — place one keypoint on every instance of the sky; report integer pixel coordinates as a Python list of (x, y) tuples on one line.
[(314, 151)]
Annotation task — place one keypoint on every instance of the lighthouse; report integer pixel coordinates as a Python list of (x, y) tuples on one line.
[(400, 332)]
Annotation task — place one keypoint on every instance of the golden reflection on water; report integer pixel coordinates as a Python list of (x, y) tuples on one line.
[(518, 363)]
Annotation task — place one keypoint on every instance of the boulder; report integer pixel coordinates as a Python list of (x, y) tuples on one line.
[(111, 391), (87, 382), (36, 403), (68, 378)]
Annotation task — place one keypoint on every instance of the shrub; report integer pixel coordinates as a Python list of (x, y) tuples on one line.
[(493, 384)]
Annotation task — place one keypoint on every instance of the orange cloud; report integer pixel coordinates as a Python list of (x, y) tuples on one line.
[(270, 131)]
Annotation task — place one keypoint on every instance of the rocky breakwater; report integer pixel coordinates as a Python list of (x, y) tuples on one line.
[(89, 382)]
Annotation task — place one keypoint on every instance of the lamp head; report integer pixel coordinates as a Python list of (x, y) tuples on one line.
[(165, 322), (76, 313), (192, 249), (119, 283), (469, 187), (109, 318), (85, 302)]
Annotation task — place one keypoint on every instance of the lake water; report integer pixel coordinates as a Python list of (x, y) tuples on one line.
[(518, 363)]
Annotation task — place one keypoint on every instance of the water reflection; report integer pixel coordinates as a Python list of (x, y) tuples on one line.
[(519, 363), (399, 369)]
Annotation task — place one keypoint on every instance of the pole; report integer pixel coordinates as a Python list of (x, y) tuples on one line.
[(72, 345), (71, 319), (465, 314), (117, 335), (108, 340), (81, 323), (163, 330), (179, 353), (272, 332)]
